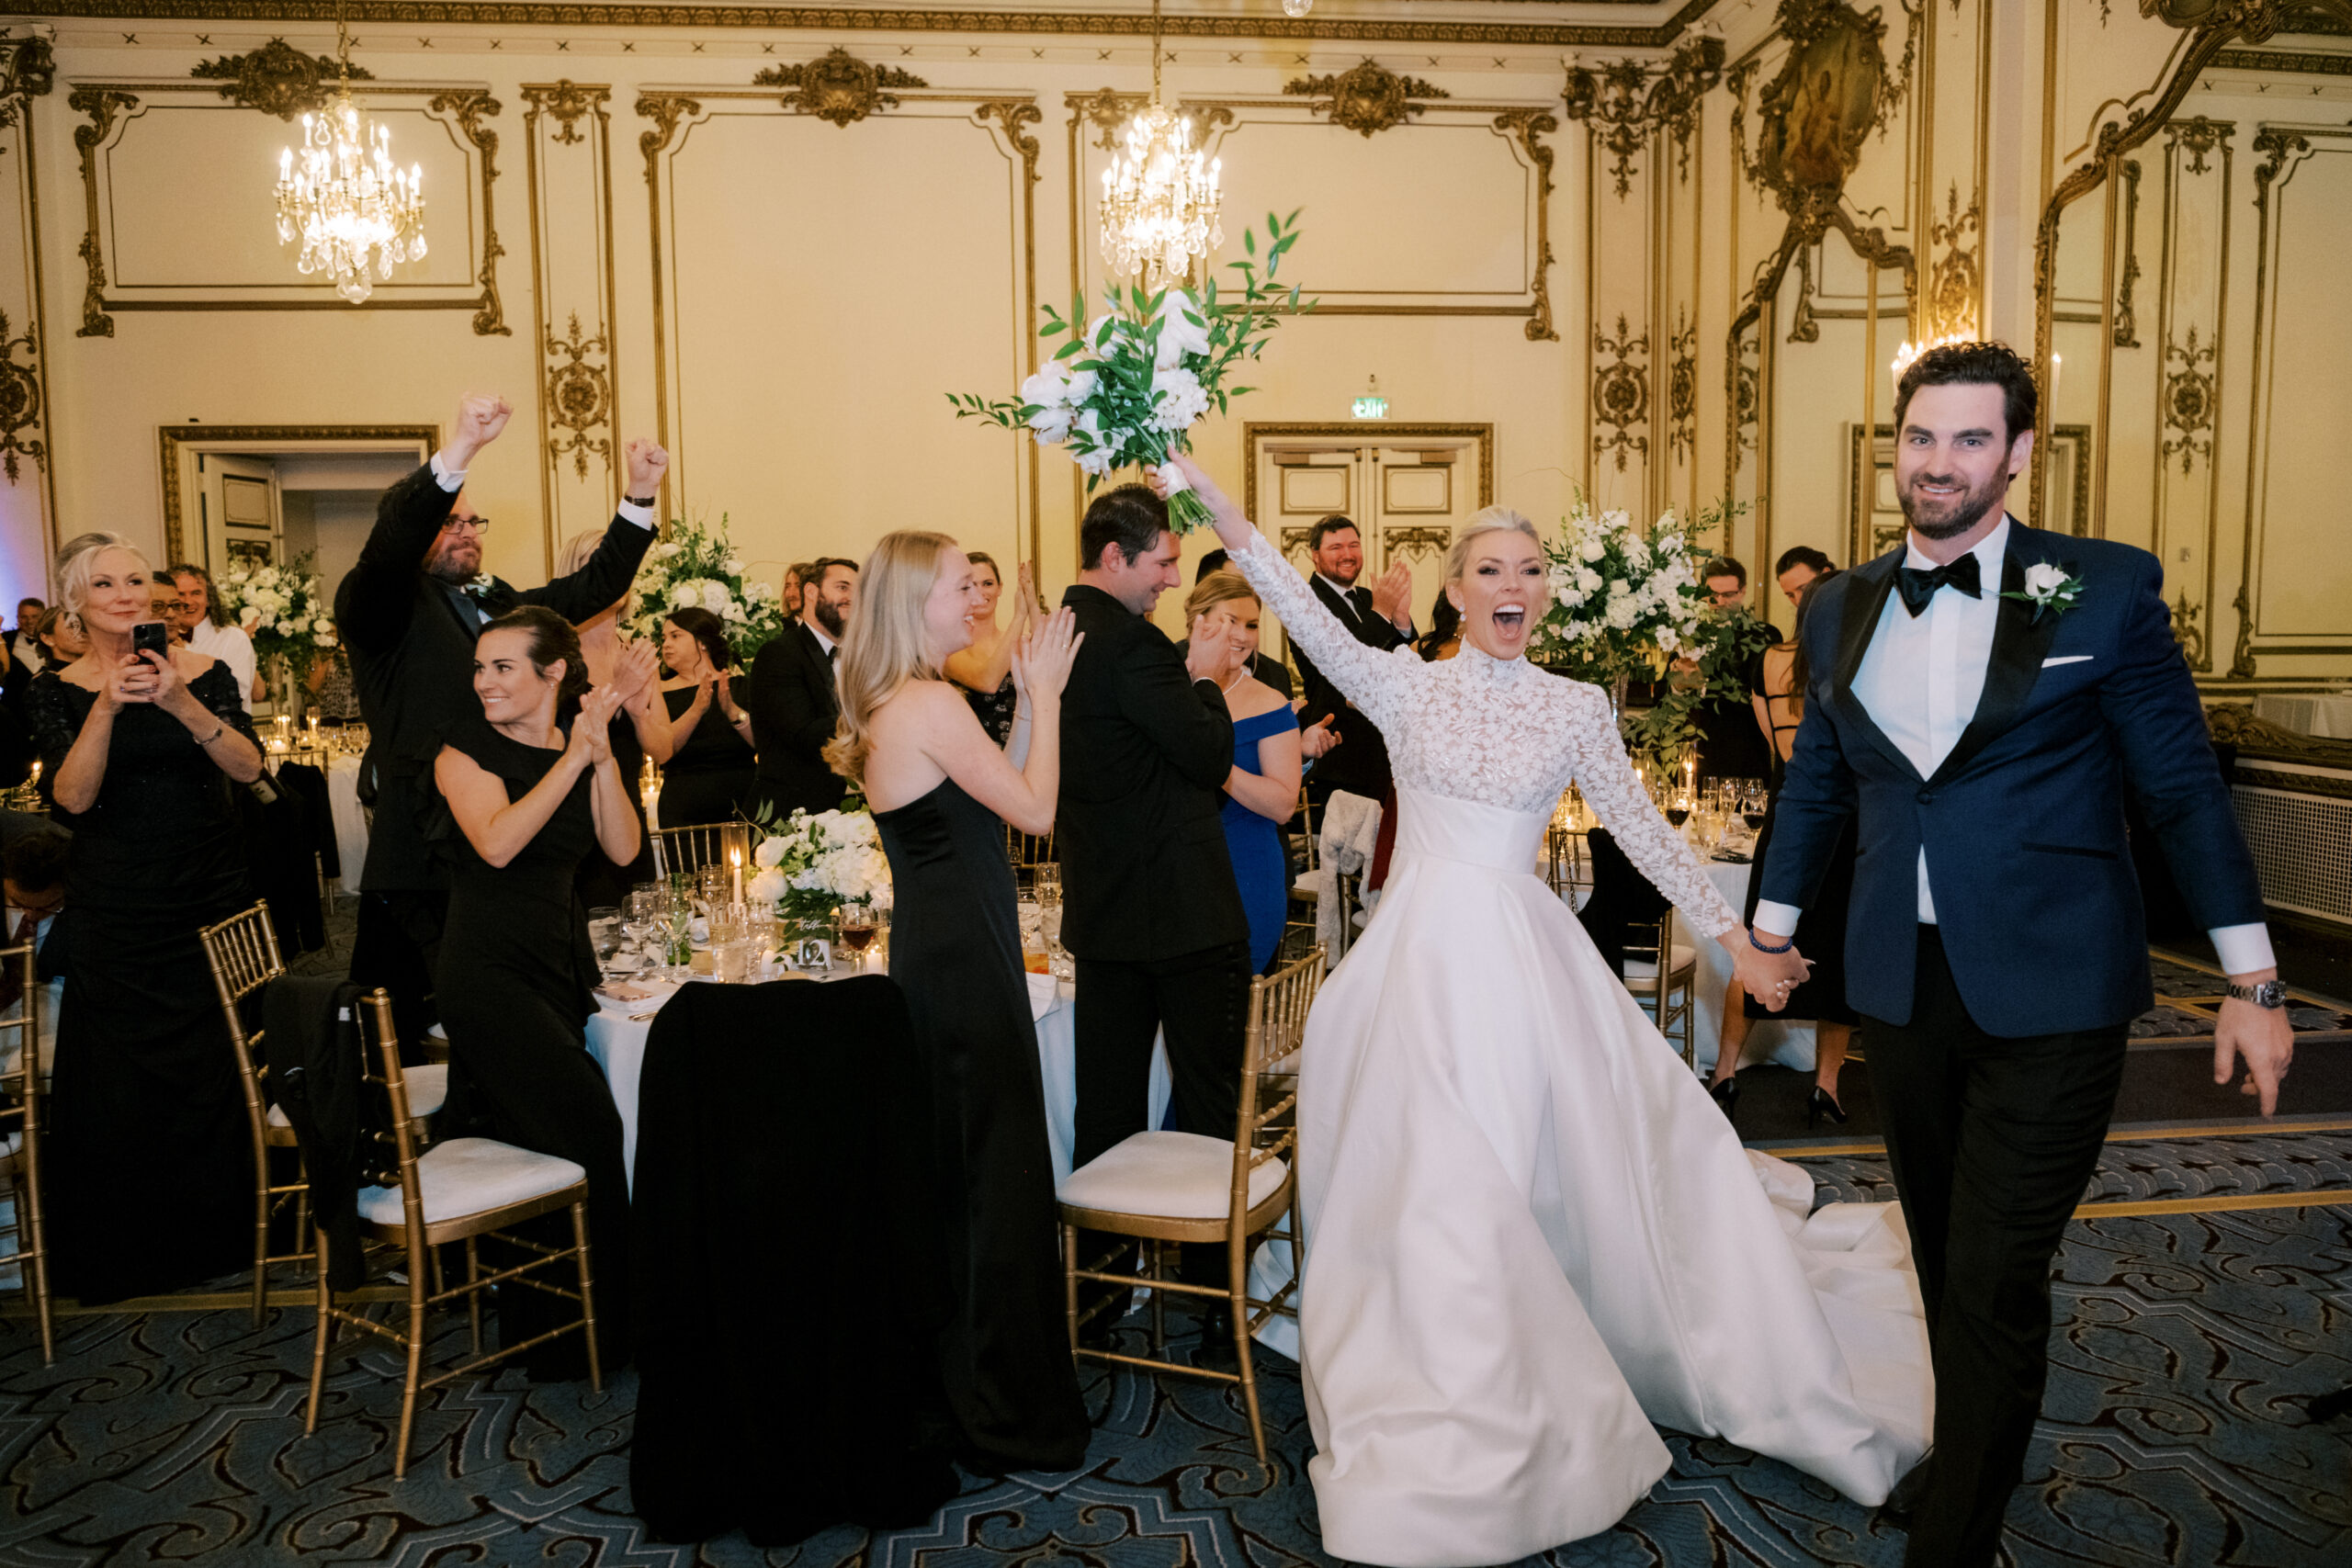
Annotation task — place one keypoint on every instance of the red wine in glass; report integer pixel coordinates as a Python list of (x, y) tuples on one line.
[(1755, 820), (1678, 814), (856, 936)]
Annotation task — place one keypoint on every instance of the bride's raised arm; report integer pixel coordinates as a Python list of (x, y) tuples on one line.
[(1380, 683), (1616, 795)]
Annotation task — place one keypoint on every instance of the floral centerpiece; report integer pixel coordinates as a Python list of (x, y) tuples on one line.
[(1128, 389), (810, 866), (284, 610), (1626, 602), (696, 567)]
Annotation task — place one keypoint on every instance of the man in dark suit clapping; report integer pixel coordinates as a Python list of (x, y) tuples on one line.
[(409, 614), (1150, 907), (793, 701), (1381, 618)]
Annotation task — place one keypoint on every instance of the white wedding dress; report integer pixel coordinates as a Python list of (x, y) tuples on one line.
[(1531, 1236)]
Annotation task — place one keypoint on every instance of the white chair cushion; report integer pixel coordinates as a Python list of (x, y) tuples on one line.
[(428, 1088), (466, 1175), (435, 1031), (1175, 1176), (277, 1117), (1647, 969)]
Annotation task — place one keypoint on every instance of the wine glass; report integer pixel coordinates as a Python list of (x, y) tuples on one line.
[(644, 913), (605, 935), (1753, 805), (1677, 810), (678, 929), (857, 928)]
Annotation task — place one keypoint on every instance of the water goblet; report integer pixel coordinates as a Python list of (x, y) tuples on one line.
[(604, 934)]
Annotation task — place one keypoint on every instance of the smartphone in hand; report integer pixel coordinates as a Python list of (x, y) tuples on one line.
[(150, 636)]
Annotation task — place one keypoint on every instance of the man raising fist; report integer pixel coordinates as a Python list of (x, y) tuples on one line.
[(409, 614), (1380, 616)]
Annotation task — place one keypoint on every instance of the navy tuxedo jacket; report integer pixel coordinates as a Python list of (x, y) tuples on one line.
[(2022, 823)]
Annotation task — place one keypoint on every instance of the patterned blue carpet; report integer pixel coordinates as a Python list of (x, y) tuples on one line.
[(2174, 1434)]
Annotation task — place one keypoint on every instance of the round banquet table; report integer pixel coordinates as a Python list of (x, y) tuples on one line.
[(618, 1033), (350, 820)]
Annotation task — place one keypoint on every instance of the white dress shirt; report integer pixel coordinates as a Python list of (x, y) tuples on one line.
[(233, 647), (1920, 680), (454, 479)]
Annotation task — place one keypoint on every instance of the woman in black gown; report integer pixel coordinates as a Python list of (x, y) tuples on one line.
[(942, 793), (709, 775), (530, 798), (640, 727), (984, 670), (152, 1182)]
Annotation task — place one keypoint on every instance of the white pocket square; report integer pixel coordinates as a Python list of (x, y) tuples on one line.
[(2068, 658)]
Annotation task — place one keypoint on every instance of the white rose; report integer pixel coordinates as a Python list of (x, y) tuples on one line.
[(1587, 580), (1052, 424), (734, 565), (1622, 614), (1178, 335), (682, 595), (669, 551), (2044, 578), (1592, 548), (765, 887), (771, 851), (1081, 386), (716, 599), (1569, 598)]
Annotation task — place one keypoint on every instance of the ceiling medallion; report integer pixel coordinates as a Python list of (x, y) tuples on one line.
[(343, 199), (1159, 194)]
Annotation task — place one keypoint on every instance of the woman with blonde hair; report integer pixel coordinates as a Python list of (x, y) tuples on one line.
[(1261, 792), (137, 747), (942, 793), (641, 728)]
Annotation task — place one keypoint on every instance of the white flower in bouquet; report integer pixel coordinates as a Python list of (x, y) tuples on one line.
[(685, 595), (715, 597), (1125, 388), (770, 852), (765, 886)]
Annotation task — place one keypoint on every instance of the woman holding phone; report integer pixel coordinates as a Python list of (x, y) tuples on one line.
[(139, 744)]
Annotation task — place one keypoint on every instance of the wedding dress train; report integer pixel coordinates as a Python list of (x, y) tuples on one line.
[(1531, 1236)]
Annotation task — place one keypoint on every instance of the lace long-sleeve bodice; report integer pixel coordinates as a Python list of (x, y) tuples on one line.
[(1501, 732)]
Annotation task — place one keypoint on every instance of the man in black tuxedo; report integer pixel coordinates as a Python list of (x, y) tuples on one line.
[(793, 701), (409, 614), (1381, 618), (1731, 744), (1984, 695), (1150, 907)]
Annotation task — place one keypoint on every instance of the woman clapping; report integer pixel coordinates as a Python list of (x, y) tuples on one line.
[(531, 798)]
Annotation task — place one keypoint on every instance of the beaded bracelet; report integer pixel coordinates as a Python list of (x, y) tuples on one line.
[(1761, 948)]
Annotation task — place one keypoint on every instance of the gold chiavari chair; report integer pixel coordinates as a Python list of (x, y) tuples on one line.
[(683, 851), (1026, 852), (243, 955), (1298, 924), (458, 1190), (1662, 975), (1155, 1188), (20, 1106)]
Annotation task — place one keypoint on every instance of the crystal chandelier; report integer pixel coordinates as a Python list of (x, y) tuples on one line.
[(1159, 194), (350, 206)]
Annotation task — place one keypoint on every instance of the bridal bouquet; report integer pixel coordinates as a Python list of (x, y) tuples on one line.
[(283, 609), (696, 567), (812, 866), (1123, 391)]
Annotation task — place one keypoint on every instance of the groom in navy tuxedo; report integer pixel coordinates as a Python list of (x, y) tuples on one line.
[(1983, 696)]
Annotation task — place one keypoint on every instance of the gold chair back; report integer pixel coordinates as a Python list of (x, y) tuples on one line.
[(1026, 852), (1670, 991), (243, 953), (683, 851), (21, 1094)]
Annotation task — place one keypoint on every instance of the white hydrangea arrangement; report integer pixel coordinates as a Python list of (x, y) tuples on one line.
[(812, 866), (1125, 390), (1622, 596), (695, 565), (283, 609)]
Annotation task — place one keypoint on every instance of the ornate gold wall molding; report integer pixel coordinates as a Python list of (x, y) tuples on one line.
[(2187, 401), (2188, 634), (1620, 393), (171, 438), (1365, 99), (1527, 127), (1627, 102), (28, 71), (109, 105), (1682, 386), (568, 169), (668, 111), (1954, 278), (1254, 23), (22, 405), (277, 78), (838, 87), (2127, 321)]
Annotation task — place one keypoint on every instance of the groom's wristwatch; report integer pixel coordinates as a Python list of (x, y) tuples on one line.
[(641, 500), (2269, 994)]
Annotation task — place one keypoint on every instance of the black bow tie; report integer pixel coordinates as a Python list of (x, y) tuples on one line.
[(1918, 587)]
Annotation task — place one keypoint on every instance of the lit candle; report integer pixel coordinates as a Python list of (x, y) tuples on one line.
[(735, 860), (1690, 772)]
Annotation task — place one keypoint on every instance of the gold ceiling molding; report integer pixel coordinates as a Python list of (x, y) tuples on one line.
[(839, 88), (277, 78), (1367, 97), (1628, 101), (2293, 62), (1252, 24), (105, 105)]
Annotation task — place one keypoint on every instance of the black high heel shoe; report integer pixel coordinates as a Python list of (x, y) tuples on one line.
[(1823, 1103), (1726, 1094)]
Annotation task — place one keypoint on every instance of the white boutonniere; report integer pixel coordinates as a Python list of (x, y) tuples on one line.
[(484, 582), (2049, 586)]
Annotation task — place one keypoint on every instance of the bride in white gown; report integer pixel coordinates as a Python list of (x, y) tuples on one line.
[(1531, 1236)]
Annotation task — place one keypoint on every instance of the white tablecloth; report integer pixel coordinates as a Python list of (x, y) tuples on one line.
[(1789, 1045), (617, 1039), (350, 820)]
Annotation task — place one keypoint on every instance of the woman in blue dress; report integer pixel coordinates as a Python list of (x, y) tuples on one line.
[(1261, 793)]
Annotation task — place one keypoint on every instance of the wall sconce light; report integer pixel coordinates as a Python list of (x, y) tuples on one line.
[(1372, 405)]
